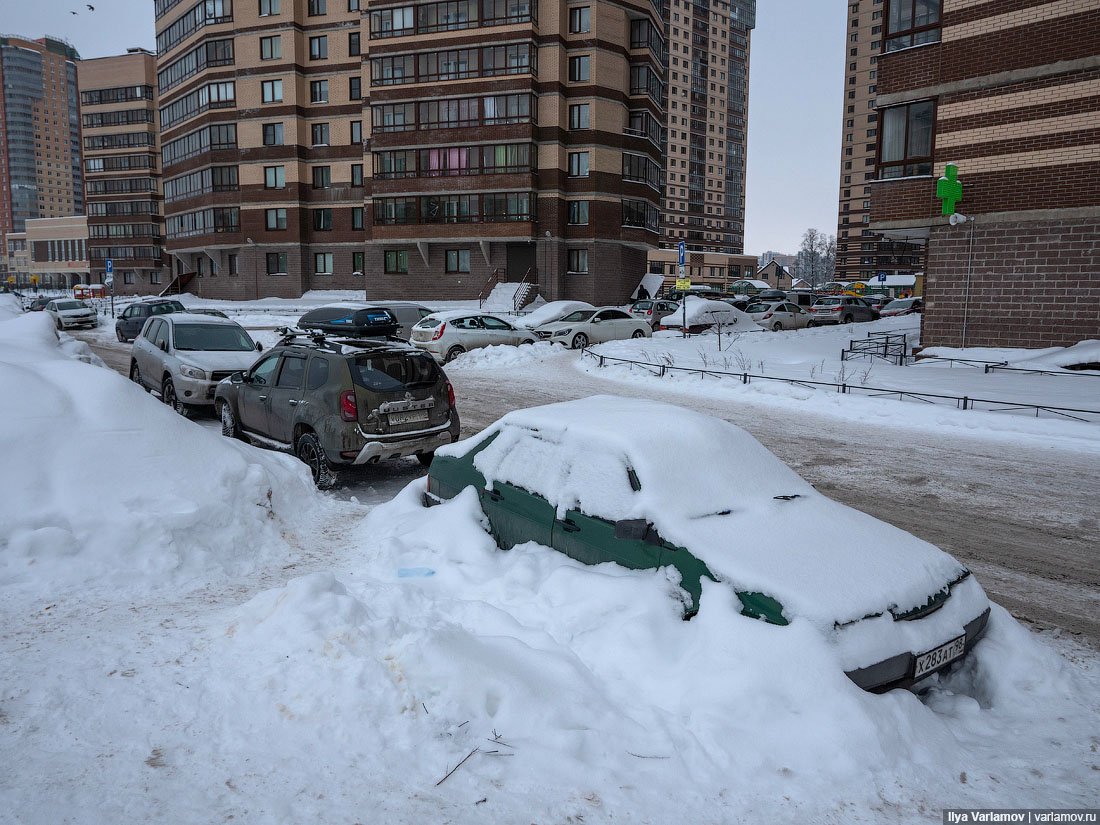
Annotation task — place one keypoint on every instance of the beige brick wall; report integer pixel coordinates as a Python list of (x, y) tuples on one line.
[(1020, 17)]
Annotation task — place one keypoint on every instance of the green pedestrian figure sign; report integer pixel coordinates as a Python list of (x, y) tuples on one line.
[(949, 189)]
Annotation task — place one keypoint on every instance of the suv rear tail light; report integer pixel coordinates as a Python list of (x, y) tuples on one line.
[(450, 395), (348, 409), (439, 332)]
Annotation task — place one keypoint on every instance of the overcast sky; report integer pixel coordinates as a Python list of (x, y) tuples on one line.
[(795, 98)]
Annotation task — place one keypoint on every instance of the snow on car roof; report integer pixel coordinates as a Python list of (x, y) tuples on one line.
[(709, 486), (195, 318), (449, 314)]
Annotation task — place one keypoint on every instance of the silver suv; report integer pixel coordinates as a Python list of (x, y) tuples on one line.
[(184, 356)]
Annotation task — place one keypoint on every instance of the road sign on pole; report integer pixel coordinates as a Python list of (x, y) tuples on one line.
[(109, 265), (882, 277), (682, 250)]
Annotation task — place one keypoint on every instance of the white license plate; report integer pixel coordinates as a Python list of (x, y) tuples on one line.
[(409, 417), (927, 662)]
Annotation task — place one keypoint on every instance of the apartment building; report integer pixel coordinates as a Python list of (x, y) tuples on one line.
[(708, 65), (118, 107), (410, 149), (990, 110), (862, 253), (40, 163)]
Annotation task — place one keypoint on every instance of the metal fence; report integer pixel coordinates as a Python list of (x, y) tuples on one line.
[(963, 402)]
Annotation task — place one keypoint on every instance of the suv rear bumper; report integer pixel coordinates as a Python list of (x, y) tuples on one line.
[(380, 447)]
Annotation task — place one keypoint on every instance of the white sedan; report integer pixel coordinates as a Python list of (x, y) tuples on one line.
[(446, 335), (778, 315), (593, 326), (69, 313)]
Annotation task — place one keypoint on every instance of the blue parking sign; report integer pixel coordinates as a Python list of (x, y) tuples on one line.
[(682, 249), (110, 266), (882, 276)]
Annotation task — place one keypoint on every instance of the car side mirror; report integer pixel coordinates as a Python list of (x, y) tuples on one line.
[(164, 346), (237, 378), (259, 347), (595, 320)]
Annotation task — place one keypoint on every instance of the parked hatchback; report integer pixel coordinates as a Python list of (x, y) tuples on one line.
[(446, 335), (653, 311), (70, 314), (840, 309), (902, 306), (336, 404), (777, 315), (183, 356), (132, 320)]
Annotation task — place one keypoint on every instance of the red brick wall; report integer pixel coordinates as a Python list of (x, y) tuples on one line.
[(904, 199), (1033, 284)]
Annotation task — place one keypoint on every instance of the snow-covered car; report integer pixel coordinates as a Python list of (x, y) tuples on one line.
[(183, 356), (69, 313), (550, 312), (446, 335), (607, 479), (777, 315), (594, 326), (901, 306), (701, 314)]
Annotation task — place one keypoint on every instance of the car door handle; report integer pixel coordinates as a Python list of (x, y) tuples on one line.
[(262, 397), (568, 525), (493, 495), (292, 402)]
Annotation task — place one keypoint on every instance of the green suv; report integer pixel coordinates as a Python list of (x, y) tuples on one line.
[(337, 404)]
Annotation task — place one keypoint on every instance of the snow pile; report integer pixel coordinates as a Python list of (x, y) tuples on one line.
[(10, 307), (550, 312), (502, 356), (577, 691), (1083, 352), (97, 488), (702, 311)]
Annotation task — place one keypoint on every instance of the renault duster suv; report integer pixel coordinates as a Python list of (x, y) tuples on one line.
[(336, 404)]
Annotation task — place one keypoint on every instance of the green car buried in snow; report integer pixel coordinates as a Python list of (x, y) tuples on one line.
[(648, 486)]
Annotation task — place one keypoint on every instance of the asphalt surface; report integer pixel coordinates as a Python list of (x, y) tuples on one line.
[(1023, 518)]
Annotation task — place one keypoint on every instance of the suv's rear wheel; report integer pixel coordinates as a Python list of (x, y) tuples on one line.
[(122, 339), (312, 454)]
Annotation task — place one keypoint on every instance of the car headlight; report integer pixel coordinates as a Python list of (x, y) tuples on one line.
[(192, 372), (562, 332)]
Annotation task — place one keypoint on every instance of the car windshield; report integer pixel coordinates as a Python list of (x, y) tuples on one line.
[(213, 337), (393, 372), (751, 308), (579, 315), (826, 302), (901, 303), (71, 305)]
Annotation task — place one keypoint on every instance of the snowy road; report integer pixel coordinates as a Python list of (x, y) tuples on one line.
[(1023, 517)]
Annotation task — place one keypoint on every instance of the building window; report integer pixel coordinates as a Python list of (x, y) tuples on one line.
[(357, 263), (911, 23), (578, 116), (322, 220), (353, 5), (276, 263), (357, 174), (274, 177), (233, 270), (355, 88), (269, 7), (273, 134), (396, 262), (154, 277), (317, 7), (356, 132), (578, 69), (578, 164), (458, 260), (318, 47), (271, 48), (272, 91), (578, 213), (906, 143), (580, 19), (322, 177), (578, 261), (319, 133), (318, 91), (276, 219), (353, 44), (357, 217), (127, 277), (322, 263)]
